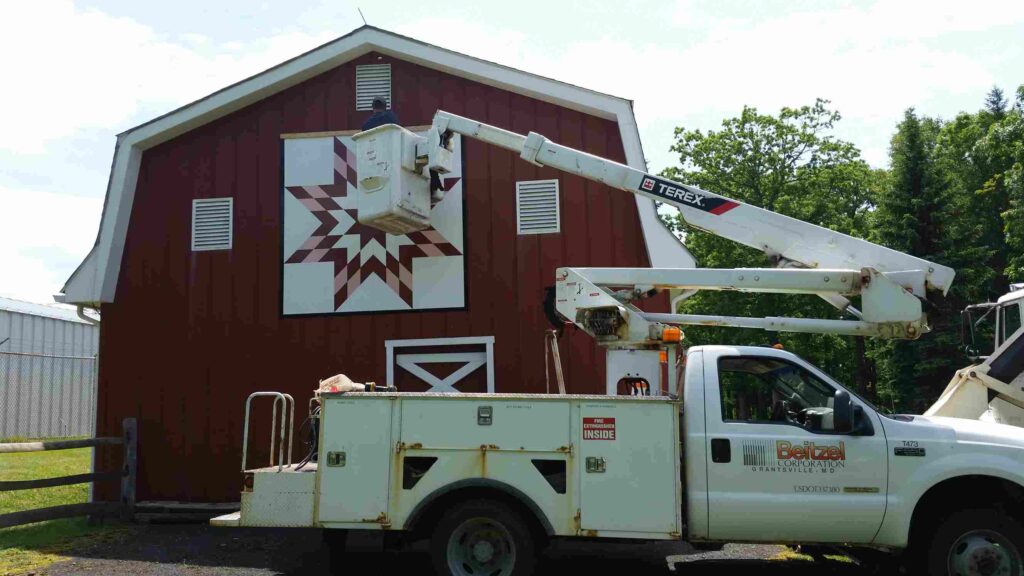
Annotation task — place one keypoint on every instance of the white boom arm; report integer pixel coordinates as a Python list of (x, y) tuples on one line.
[(811, 259), (779, 236)]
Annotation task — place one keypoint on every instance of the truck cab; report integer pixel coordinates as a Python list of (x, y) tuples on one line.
[(770, 458), (782, 439)]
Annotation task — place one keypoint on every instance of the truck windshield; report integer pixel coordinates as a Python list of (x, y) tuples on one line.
[(801, 386), (792, 372)]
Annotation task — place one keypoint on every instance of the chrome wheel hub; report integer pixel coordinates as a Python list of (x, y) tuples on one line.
[(984, 553), (483, 551), (481, 547)]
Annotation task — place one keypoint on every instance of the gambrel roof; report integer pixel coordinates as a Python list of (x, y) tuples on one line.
[(95, 280)]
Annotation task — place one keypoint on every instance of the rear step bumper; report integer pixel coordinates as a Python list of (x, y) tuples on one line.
[(227, 521)]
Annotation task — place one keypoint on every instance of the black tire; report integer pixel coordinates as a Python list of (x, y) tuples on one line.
[(335, 541), (967, 540), (497, 530), (817, 553), (874, 561)]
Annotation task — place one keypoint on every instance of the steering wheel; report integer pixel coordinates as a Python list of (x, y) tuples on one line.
[(802, 418), (781, 412)]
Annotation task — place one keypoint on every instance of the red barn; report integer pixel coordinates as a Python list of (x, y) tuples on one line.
[(227, 260)]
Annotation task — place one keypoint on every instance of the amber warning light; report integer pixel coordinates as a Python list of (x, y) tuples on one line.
[(671, 334)]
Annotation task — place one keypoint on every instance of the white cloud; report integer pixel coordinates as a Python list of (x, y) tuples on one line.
[(500, 45), (709, 59), (871, 60), (71, 71), (86, 70), (82, 68), (43, 237)]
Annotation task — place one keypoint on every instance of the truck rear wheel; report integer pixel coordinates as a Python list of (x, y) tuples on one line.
[(976, 543), (482, 538)]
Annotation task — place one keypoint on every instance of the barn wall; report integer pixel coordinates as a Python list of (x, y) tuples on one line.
[(185, 371)]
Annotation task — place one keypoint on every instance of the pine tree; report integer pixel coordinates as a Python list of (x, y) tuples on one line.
[(995, 102), (911, 217), (956, 197)]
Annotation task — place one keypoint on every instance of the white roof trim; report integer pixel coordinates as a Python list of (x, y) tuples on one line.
[(95, 280), (15, 306), (664, 249)]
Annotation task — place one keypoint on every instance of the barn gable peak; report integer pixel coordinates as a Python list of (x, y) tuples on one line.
[(95, 280)]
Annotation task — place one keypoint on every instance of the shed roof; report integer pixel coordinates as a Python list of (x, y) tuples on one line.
[(43, 310), (95, 279)]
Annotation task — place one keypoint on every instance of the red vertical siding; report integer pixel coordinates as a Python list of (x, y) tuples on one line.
[(190, 335)]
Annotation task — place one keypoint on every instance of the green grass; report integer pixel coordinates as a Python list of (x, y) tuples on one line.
[(792, 555), (19, 439), (33, 546), (47, 464)]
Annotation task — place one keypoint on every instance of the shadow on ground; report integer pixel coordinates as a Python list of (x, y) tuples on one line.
[(200, 550)]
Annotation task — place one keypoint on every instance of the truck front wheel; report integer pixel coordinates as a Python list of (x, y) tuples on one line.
[(482, 537), (976, 543)]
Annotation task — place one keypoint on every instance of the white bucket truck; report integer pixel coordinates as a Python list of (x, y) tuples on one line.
[(743, 443)]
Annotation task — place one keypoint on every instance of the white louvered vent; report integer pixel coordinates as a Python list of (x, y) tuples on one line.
[(537, 207), (211, 224), (372, 80)]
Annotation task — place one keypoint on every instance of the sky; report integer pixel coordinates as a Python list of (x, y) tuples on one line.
[(77, 73)]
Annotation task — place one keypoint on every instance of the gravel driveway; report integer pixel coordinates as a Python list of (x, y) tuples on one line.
[(164, 550)]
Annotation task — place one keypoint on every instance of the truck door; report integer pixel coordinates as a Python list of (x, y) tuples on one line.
[(777, 471)]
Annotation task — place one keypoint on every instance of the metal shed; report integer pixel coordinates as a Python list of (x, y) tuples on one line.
[(48, 363)]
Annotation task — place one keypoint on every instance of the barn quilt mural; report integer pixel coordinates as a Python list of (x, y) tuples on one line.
[(332, 264)]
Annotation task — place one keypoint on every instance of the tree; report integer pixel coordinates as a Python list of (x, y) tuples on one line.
[(910, 218), (792, 164), (977, 153), (1005, 140), (944, 204), (956, 197), (995, 102), (975, 200)]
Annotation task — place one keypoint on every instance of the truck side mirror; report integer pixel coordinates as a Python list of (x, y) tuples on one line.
[(842, 412), (967, 336)]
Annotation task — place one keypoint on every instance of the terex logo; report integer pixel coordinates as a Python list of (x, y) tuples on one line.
[(680, 194), (809, 451)]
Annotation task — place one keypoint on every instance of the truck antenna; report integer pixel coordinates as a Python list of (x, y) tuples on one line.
[(360, 10)]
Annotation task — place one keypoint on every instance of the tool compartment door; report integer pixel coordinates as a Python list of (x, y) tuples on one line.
[(355, 489), (634, 442)]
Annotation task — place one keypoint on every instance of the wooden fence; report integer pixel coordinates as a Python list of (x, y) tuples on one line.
[(125, 508)]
